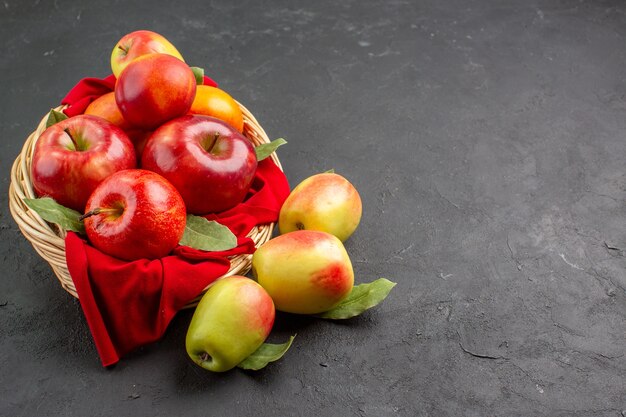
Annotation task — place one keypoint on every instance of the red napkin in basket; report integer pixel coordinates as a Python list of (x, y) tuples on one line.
[(130, 304)]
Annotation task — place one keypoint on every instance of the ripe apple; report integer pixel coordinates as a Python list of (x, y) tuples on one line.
[(210, 163), (305, 272), (211, 101), (136, 44), (326, 202), (75, 155), (105, 107), (153, 89), (135, 214), (233, 318)]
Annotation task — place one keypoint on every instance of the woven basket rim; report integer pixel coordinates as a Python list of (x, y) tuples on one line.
[(48, 240)]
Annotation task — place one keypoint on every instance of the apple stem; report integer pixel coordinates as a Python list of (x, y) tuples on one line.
[(96, 211), (125, 50), (208, 146), (205, 357), (67, 130)]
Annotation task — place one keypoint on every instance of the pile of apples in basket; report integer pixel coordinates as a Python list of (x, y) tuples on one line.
[(162, 150)]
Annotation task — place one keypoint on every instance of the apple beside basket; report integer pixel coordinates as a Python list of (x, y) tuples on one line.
[(49, 240)]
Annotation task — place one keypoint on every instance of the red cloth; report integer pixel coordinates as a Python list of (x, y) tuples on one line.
[(130, 304)]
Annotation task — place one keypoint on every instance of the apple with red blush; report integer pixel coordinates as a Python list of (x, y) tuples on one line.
[(72, 157), (135, 214), (305, 271), (210, 163), (139, 43), (327, 202), (232, 320)]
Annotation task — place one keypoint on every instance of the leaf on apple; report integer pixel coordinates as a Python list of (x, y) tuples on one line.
[(199, 74), (362, 297), (265, 354), (266, 149), (330, 171), (55, 117), (53, 212), (207, 235)]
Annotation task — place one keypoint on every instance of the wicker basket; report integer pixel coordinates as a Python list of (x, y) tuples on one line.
[(48, 239)]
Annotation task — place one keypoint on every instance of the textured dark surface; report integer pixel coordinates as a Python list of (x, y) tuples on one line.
[(488, 142)]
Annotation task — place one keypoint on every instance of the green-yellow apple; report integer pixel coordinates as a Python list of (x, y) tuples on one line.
[(326, 202), (232, 320), (153, 89), (305, 272), (136, 44)]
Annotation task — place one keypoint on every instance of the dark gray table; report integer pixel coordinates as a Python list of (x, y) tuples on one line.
[(488, 142)]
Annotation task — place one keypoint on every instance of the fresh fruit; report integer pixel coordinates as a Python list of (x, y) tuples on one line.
[(105, 107), (211, 101), (232, 320), (210, 163), (153, 89), (75, 155), (135, 214), (136, 44), (305, 272), (326, 202)]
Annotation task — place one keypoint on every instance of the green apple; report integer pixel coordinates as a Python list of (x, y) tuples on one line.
[(305, 271), (326, 202), (232, 320)]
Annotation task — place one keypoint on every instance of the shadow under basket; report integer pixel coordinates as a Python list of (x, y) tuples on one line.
[(49, 240)]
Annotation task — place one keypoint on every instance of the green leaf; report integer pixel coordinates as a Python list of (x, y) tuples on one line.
[(362, 297), (53, 212), (199, 74), (265, 354), (55, 117), (203, 234), (266, 149), (330, 171)]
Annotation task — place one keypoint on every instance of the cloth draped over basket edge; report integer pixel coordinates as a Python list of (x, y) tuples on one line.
[(130, 304)]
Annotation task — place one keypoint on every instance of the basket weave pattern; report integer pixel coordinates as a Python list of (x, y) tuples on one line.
[(49, 240)]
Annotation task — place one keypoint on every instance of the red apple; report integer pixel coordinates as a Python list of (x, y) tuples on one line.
[(135, 214), (136, 44), (153, 89), (75, 155), (208, 161)]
